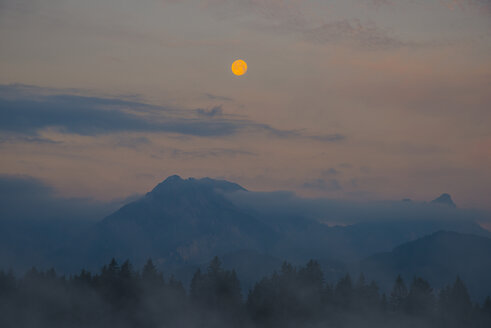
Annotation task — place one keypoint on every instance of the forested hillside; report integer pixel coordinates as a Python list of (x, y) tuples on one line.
[(119, 296)]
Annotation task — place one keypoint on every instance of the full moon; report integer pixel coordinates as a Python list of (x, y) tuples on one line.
[(239, 67)]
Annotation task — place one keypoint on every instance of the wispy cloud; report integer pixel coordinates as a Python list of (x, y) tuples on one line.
[(132, 142), (481, 5), (25, 197), (29, 112), (329, 137), (331, 172), (215, 97), (295, 17), (367, 35), (212, 112), (348, 212), (323, 184), (207, 153), (27, 139)]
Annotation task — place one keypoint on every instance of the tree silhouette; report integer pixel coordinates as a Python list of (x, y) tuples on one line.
[(218, 288), (7, 283), (398, 294), (455, 305), (120, 296), (420, 300), (487, 306), (344, 293), (311, 284)]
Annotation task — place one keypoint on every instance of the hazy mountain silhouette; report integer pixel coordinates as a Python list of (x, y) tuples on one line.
[(183, 223), (188, 221), (178, 222), (444, 199), (439, 257), (366, 238)]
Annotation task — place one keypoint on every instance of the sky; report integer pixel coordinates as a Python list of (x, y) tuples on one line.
[(356, 100)]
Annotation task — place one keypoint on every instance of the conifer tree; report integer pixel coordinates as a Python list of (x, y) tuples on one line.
[(398, 294)]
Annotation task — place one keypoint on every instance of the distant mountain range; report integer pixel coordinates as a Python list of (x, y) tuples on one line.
[(187, 221), (439, 258), (182, 223)]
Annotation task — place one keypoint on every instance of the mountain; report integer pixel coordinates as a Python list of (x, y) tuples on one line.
[(444, 199), (184, 222), (181, 221), (366, 238), (439, 258)]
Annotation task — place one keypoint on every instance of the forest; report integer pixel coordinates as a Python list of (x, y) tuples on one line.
[(121, 296)]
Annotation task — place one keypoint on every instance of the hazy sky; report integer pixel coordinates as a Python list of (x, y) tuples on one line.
[(365, 99)]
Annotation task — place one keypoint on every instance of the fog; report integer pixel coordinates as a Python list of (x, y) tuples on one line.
[(120, 296), (341, 212), (27, 198)]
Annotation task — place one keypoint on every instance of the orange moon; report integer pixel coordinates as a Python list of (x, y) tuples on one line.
[(239, 67)]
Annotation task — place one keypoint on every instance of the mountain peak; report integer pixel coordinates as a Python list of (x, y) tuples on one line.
[(444, 199), (173, 178), (175, 183)]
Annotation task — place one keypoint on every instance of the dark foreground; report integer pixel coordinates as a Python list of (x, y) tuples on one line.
[(120, 297)]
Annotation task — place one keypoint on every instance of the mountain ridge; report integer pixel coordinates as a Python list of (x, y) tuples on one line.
[(186, 222), (439, 258)]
